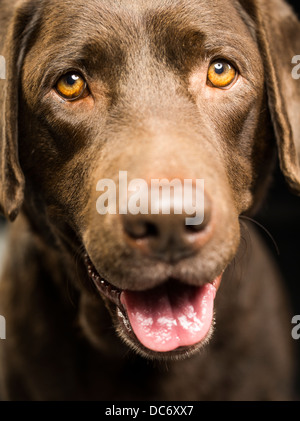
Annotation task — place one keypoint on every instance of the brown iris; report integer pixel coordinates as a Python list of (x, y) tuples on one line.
[(71, 86), (221, 74)]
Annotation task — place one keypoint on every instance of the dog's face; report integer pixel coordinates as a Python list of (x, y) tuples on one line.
[(161, 90)]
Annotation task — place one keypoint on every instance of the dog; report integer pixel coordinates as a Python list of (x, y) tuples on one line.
[(125, 306)]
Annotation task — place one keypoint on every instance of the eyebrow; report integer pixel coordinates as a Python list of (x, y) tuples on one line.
[(174, 28), (105, 61)]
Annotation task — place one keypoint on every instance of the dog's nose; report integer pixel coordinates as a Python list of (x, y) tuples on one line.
[(168, 237)]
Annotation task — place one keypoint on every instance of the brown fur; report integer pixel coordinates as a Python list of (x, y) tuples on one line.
[(149, 114)]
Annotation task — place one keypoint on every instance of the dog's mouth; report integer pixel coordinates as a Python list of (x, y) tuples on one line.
[(172, 317)]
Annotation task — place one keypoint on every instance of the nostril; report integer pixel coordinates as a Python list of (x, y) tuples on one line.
[(194, 229), (168, 236), (140, 228), (151, 230)]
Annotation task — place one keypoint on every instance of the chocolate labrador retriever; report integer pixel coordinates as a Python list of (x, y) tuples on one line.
[(134, 305)]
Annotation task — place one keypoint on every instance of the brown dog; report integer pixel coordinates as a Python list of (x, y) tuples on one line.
[(186, 89)]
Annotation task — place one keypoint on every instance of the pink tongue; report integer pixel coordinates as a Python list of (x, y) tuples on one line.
[(168, 317)]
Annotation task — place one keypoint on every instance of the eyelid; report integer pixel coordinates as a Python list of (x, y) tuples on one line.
[(54, 78), (228, 54), (55, 72)]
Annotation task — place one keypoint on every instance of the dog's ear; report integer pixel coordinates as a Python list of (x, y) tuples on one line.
[(11, 176), (278, 37)]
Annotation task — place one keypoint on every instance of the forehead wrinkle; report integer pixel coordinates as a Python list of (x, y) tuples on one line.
[(90, 19), (210, 22), (85, 32), (231, 44), (107, 17), (105, 21), (97, 28), (209, 14)]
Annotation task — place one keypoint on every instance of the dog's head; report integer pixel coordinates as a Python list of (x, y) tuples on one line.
[(102, 96)]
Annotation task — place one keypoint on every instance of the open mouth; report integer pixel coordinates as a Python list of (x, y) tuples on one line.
[(168, 318)]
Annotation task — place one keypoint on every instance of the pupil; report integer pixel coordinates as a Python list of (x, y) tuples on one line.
[(219, 68), (72, 79)]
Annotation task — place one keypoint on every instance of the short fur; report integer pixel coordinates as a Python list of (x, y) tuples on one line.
[(149, 114)]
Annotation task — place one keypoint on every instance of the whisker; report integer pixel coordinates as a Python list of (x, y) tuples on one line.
[(237, 267), (69, 287), (247, 218)]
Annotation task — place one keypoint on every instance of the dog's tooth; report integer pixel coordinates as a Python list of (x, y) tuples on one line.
[(103, 285), (108, 290), (124, 319), (115, 292), (94, 277)]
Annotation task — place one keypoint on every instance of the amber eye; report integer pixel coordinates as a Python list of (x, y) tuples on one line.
[(71, 86), (221, 74)]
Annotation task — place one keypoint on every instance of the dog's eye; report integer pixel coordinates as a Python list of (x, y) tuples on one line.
[(71, 86), (221, 74)]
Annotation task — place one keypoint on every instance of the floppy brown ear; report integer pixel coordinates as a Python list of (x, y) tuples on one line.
[(278, 35), (11, 177)]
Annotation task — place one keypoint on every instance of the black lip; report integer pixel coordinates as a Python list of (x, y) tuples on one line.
[(104, 287), (113, 294)]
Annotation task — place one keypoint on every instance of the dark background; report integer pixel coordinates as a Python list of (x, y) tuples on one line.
[(280, 215)]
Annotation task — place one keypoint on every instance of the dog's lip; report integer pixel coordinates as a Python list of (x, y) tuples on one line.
[(113, 294), (105, 288)]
